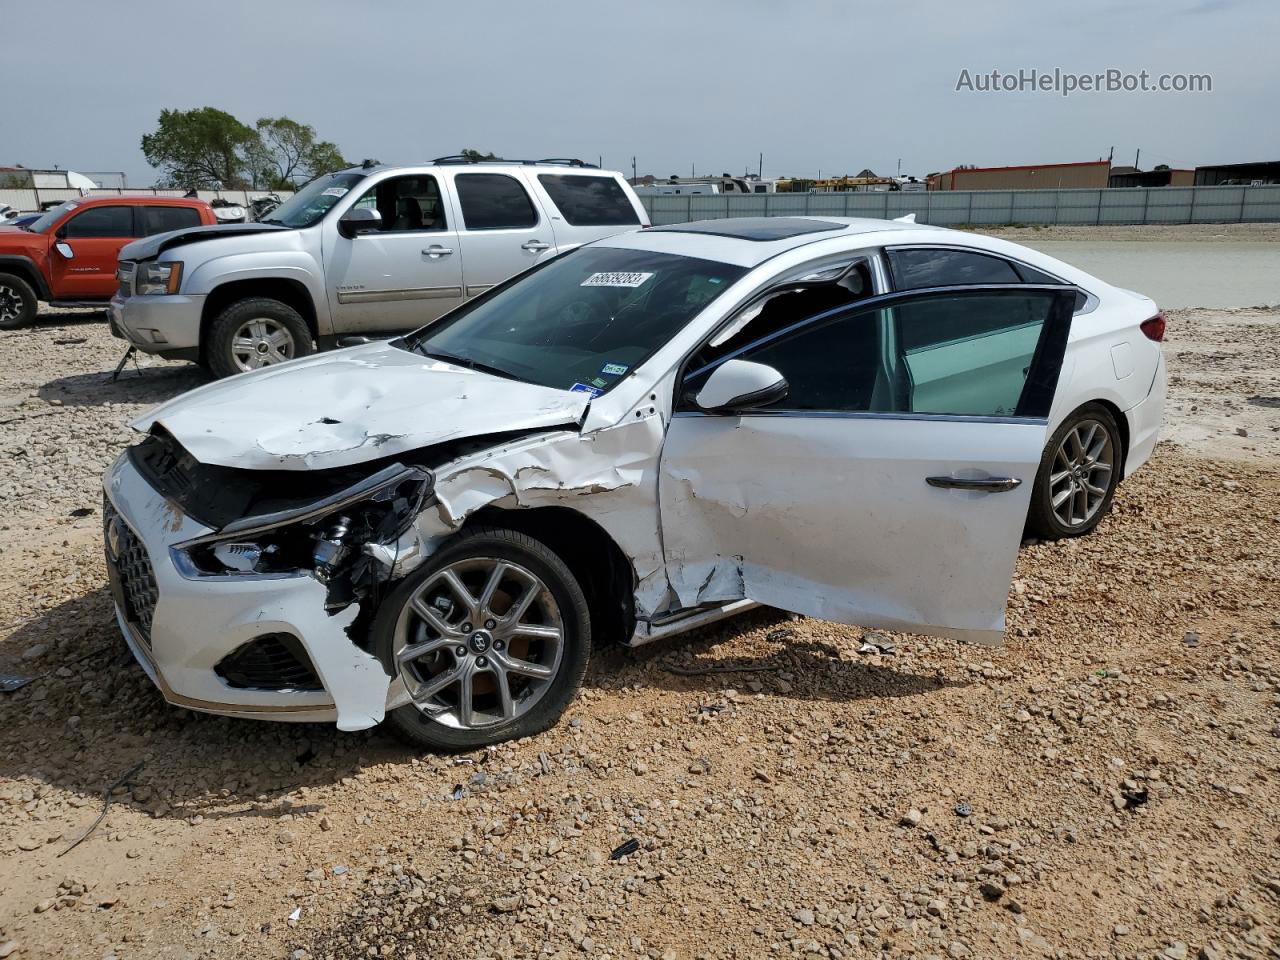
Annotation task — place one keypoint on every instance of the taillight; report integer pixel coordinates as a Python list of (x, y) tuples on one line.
[(1154, 328)]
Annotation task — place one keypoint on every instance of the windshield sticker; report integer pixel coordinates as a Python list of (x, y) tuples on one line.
[(586, 388), (614, 369), (615, 279), (335, 192), (599, 382)]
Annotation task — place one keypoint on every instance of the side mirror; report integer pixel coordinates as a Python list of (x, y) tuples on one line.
[(741, 384), (64, 248), (359, 220)]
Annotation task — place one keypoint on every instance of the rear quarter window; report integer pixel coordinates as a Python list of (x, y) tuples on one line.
[(163, 219), (587, 201)]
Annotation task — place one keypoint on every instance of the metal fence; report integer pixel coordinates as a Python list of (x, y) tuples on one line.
[(31, 198), (949, 208)]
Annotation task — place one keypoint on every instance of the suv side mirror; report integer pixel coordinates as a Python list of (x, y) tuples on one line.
[(741, 384), (359, 220)]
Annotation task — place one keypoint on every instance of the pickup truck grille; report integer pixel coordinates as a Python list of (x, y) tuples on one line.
[(124, 273)]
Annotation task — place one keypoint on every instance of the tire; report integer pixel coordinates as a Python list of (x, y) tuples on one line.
[(254, 333), (1071, 477), (18, 302), (481, 646)]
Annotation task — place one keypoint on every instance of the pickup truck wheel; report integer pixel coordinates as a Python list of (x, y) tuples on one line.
[(17, 302), (490, 638), (255, 333)]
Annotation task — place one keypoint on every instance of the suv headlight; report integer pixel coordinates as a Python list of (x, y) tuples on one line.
[(154, 277)]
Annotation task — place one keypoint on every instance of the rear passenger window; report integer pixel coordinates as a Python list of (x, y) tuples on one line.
[(494, 201), (589, 201), (915, 268), (163, 219), (100, 222)]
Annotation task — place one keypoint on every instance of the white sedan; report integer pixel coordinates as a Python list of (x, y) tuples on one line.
[(849, 419)]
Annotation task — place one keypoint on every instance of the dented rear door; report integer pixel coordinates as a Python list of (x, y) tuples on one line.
[(890, 487)]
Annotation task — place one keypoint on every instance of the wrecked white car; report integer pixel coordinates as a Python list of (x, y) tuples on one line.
[(633, 439)]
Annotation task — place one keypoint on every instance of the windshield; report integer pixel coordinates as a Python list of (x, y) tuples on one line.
[(313, 201), (53, 216), (583, 321)]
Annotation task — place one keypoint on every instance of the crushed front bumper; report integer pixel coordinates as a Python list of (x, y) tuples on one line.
[(181, 626)]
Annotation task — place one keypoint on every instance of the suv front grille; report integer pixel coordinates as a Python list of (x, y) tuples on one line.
[(124, 274), (131, 567), (273, 661)]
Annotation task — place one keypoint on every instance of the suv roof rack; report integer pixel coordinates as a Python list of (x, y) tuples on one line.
[(561, 161)]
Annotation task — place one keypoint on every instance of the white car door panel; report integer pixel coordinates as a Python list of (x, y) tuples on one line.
[(504, 230), (890, 487)]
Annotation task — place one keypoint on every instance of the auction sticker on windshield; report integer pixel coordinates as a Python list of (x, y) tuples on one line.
[(615, 279), (334, 192)]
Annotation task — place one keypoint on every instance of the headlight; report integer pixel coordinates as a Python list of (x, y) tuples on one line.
[(323, 540), (156, 277)]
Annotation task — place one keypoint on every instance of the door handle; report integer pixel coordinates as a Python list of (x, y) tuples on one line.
[(535, 246), (989, 485), (435, 251)]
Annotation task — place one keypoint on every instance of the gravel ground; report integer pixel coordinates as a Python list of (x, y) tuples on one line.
[(1106, 785)]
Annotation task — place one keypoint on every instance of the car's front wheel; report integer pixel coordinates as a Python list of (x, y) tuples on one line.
[(17, 302), (1078, 475), (254, 333), (490, 638)]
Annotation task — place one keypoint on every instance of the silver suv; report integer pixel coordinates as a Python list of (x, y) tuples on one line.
[(370, 251)]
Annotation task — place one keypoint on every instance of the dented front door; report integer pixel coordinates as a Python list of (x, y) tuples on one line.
[(890, 488)]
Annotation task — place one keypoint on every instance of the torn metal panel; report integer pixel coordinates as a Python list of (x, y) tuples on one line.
[(367, 403)]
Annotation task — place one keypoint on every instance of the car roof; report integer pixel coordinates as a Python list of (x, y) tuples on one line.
[(141, 199), (748, 241), (567, 168)]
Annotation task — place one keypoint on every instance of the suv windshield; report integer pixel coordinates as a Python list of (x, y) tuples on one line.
[(313, 201), (582, 321), (52, 217)]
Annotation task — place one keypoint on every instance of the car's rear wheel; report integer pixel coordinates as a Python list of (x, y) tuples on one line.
[(490, 638), (18, 302), (1078, 475), (254, 333)]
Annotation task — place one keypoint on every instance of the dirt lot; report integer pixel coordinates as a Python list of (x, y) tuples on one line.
[(1106, 785)]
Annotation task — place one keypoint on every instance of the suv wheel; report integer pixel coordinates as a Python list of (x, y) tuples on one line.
[(255, 333), (17, 302), (490, 638), (1078, 475)]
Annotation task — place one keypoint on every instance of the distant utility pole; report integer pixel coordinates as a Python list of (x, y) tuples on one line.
[(600, 160), (760, 169), (1136, 155), (899, 166), (1110, 153), (692, 172), (634, 178)]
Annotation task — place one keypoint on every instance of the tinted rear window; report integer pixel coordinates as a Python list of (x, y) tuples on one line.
[(163, 219), (924, 267), (589, 201), (494, 201)]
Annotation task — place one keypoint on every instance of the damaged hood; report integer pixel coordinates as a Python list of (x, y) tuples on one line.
[(350, 406), (153, 246)]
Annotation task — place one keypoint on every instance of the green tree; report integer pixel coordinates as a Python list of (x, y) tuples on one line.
[(474, 156), (288, 153), (204, 147)]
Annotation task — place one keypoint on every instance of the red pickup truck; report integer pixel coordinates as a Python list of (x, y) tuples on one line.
[(68, 256)]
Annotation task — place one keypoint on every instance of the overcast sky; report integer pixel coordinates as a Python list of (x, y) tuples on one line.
[(827, 85)]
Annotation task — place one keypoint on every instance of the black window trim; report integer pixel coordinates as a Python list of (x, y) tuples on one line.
[(1091, 300), (60, 233), (528, 192), (1058, 323)]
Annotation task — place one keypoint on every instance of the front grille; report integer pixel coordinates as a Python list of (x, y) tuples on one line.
[(131, 565), (273, 661), (124, 273)]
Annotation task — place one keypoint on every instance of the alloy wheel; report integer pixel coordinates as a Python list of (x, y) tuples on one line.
[(261, 342), (479, 643), (1082, 473), (10, 304)]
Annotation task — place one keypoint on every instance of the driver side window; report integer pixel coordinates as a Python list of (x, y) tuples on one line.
[(406, 204)]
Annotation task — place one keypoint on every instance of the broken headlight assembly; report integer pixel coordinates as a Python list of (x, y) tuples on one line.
[(334, 540), (155, 277)]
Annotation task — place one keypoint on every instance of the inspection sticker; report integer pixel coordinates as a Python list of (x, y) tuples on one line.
[(614, 369), (335, 192), (615, 279), (586, 388)]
